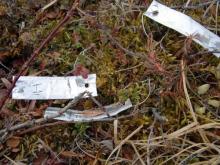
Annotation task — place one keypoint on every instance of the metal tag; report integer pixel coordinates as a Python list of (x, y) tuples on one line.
[(43, 88), (75, 115), (185, 25)]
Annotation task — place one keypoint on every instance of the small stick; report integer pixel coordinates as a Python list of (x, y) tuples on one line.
[(189, 104), (43, 120), (137, 153), (48, 5), (48, 149), (149, 140), (70, 122), (5, 66), (116, 131), (200, 5), (123, 142), (37, 51), (99, 104)]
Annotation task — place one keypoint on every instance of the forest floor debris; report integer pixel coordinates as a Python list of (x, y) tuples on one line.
[(172, 82)]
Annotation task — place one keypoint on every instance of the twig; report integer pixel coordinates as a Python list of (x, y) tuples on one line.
[(130, 68), (208, 8), (95, 101), (42, 120), (48, 5), (37, 127), (128, 52), (117, 154), (88, 154), (71, 122), (64, 122), (149, 140), (48, 149), (203, 53), (138, 154), (216, 17), (123, 142), (148, 95), (182, 151), (99, 104), (143, 27), (186, 5), (116, 132), (158, 117), (37, 51), (4, 66), (186, 92), (205, 139), (193, 6), (12, 161)]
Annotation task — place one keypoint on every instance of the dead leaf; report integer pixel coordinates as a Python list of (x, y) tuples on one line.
[(1, 147), (70, 154), (13, 142)]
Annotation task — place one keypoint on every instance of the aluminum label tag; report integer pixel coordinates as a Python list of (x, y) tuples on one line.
[(44, 88), (185, 25)]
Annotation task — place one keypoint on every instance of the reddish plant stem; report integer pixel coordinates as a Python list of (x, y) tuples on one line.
[(36, 52)]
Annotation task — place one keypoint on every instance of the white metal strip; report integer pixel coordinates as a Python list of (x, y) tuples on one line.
[(74, 115), (185, 25), (43, 88)]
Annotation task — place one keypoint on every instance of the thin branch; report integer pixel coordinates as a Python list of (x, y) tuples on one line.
[(48, 5), (128, 52), (37, 51), (123, 142), (37, 127), (200, 5), (186, 92), (99, 104), (137, 153), (202, 134), (45, 119)]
